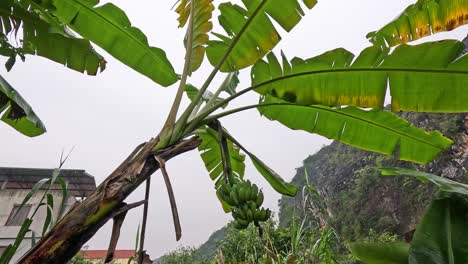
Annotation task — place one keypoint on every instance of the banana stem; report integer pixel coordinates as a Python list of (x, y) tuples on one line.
[(225, 157), (170, 121), (220, 89), (195, 111), (200, 119)]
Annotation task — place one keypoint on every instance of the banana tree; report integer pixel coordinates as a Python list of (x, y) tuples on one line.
[(333, 94)]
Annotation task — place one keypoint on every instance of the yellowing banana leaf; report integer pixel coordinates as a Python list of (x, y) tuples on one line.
[(109, 27), (250, 30), (210, 153), (374, 130), (440, 237), (17, 113), (425, 78), (424, 18), (46, 37), (202, 13)]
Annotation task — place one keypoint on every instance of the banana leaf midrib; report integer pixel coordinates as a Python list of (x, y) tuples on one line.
[(377, 125), (289, 76), (46, 14), (325, 108), (146, 47), (241, 32)]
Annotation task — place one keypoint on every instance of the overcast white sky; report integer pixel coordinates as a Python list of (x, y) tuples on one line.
[(106, 116)]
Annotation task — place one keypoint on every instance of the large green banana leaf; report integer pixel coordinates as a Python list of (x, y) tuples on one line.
[(374, 130), (259, 35), (210, 153), (444, 184), (424, 18), (441, 236), (202, 13), (44, 36), (109, 27), (17, 113), (425, 78)]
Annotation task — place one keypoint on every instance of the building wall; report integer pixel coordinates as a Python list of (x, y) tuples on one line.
[(114, 261), (10, 198)]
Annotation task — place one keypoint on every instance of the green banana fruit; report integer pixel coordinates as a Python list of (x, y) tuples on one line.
[(240, 213), (242, 194), (246, 200), (259, 200), (258, 216), (238, 225), (234, 198), (254, 192), (250, 216), (252, 206), (243, 222)]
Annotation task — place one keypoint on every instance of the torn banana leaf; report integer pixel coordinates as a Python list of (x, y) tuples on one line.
[(259, 35), (45, 36), (109, 27)]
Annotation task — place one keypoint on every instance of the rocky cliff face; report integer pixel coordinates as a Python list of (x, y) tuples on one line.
[(359, 198)]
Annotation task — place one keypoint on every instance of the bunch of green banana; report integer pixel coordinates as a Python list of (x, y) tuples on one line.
[(246, 201)]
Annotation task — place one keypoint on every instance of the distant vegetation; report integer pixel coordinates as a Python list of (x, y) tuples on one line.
[(345, 193)]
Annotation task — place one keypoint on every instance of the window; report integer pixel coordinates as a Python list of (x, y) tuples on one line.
[(2, 249), (17, 215)]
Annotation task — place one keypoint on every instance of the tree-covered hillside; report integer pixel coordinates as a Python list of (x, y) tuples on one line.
[(359, 198)]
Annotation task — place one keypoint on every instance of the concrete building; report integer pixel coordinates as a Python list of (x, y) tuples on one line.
[(98, 256), (16, 183)]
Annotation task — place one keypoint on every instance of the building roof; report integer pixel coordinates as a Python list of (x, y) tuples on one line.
[(101, 253), (80, 183)]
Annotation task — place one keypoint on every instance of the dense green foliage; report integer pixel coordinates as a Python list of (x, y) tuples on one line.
[(247, 246), (277, 245)]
